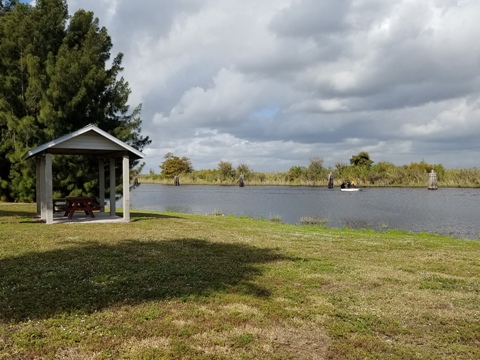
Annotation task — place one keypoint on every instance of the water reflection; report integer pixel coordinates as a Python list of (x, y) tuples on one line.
[(445, 211)]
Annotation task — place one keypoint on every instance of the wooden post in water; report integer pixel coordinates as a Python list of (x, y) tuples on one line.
[(330, 181), (432, 180), (241, 181)]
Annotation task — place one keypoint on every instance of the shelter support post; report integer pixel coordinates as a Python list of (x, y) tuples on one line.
[(38, 190), (112, 186), (126, 187), (48, 188), (101, 184), (43, 203)]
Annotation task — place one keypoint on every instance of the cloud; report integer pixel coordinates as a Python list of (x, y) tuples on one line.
[(272, 83)]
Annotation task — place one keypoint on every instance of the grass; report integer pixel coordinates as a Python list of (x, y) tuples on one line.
[(180, 286)]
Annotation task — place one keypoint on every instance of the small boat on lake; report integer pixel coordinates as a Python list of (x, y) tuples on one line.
[(349, 186)]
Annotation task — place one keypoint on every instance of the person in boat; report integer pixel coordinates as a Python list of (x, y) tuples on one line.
[(347, 184)]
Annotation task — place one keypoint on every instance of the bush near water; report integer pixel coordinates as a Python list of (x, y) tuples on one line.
[(362, 169)]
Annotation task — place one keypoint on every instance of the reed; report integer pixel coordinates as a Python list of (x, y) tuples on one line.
[(379, 176), (276, 218), (313, 220), (217, 213)]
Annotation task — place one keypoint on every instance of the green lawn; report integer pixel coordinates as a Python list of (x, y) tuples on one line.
[(179, 286)]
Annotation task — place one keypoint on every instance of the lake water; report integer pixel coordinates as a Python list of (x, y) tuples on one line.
[(449, 211)]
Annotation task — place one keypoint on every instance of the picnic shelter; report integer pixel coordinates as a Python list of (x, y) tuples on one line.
[(89, 140)]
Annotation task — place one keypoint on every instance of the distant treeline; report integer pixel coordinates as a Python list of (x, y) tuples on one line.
[(361, 169)]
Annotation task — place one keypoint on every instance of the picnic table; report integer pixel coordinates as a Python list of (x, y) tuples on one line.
[(83, 203)]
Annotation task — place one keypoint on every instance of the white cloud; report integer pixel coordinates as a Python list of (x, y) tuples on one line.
[(459, 120), (272, 83)]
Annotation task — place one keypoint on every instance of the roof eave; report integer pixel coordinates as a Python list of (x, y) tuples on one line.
[(43, 148)]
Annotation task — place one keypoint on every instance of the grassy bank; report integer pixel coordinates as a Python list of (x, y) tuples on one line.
[(178, 286)]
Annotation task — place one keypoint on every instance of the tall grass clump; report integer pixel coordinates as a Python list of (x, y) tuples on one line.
[(217, 213), (313, 220), (276, 218)]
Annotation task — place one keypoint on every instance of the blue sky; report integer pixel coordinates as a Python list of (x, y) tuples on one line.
[(273, 83)]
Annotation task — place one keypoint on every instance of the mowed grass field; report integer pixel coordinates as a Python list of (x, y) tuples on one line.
[(180, 286)]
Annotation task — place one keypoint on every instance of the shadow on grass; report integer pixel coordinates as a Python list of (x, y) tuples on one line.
[(17, 213), (31, 215), (95, 276), (12, 214)]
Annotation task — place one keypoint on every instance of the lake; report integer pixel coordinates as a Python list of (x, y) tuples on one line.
[(448, 211)]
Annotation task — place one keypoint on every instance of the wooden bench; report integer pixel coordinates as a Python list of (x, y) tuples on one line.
[(59, 205), (95, 204)]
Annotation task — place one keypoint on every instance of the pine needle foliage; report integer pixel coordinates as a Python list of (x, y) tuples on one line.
[(54, 79)]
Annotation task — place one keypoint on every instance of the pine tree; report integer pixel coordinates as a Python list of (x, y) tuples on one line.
[(54, 80)]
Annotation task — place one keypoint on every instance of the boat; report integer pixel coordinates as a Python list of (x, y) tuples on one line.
[(349, 186)]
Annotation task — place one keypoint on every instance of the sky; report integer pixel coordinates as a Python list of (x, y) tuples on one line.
[(274, 83)]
